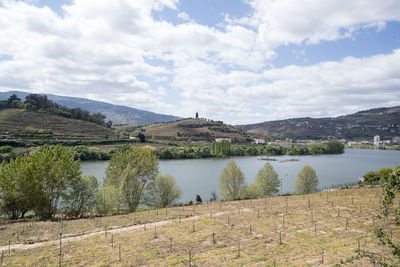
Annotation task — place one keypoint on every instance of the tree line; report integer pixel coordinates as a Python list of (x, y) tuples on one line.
[(49, 182), (225, 149), (233, 186), (41, 103)]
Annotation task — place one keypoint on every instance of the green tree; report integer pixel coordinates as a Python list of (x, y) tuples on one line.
[(267, 179), (371, 177), (17, 190), (130, 171), (334, 147), (81, 195), (307, 180), (232, 182), (162, 192), (108, 199), (53, 170)]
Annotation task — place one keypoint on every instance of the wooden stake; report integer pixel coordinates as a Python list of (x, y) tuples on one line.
[(60, 252), (280, 238), (112, 241), (322, 256), (119, 252), (238, 251), (194, 230), (170, 245)]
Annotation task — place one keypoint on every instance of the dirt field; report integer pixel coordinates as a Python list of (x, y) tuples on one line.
[(301, 230)]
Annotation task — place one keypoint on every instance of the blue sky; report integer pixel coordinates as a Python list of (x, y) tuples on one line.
[(232, 60)]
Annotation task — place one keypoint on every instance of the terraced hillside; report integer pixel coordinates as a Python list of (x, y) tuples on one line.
[(23, 124), (195, 130), (333, 228)]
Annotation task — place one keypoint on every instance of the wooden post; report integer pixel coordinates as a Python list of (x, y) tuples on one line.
[(119, 252), (211, 215), (347, 223), (309, 204), (251, 232), (155, 232), (9, 247), (238, 251), (315, 230), (60, 252), (283, 221), (280, 238), (194, 230), (105, 230), (228, 220), (144, 226), (166, 212), (358, 245), (2, 257), (322, 256), (112, 241), (190, 257), (213, 238), (170, 245), (258, 214)]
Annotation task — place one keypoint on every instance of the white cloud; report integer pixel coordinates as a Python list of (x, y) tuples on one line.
[(115, 51)]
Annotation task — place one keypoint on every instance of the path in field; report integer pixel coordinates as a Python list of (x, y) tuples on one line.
[(70, 238)]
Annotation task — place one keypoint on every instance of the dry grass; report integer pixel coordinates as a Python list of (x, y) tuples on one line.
[(255, 225)]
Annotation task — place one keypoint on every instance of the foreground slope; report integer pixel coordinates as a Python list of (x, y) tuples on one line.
[(361, 125), (301, 230), (22, 123)]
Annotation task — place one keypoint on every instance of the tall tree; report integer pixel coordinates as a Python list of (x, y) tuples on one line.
[(162, 192), (131, 170), (54, 169), (307, 180), (267, 179), (232, 182), (17, 189)]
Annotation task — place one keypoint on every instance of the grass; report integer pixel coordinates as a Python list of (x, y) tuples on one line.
[(255, 225), (14, 121)]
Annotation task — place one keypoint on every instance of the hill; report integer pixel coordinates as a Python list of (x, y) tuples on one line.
[(193, 129), (116, 113), (362, 125), (327, 229), (27, 124)]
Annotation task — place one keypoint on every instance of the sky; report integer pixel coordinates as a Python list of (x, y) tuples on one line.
[(240, 61)]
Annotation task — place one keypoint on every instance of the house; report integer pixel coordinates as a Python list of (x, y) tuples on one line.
[(259, 141), (377, 140)]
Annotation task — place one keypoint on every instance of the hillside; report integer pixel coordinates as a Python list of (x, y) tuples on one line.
[(361, 125), (24, 124), (195, 130), (326, 229), (117, 114)]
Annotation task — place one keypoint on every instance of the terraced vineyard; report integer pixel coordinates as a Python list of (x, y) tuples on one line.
[(328, 228)]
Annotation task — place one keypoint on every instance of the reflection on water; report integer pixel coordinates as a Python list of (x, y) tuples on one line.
[(201, 176)]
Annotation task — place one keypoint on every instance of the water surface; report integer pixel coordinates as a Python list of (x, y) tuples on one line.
[(201, 176)]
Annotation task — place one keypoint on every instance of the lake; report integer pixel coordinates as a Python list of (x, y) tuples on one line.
[(201, 176)]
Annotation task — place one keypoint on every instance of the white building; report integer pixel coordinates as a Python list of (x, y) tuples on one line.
[(259, 141), (377, 140)]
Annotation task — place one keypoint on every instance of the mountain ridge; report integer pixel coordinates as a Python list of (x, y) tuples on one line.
[(364, 124)]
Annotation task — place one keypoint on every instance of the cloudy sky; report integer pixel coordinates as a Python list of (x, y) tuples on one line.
[(241, 61)]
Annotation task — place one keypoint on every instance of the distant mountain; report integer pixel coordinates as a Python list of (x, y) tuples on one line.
[(117, 114), (362, 125)]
